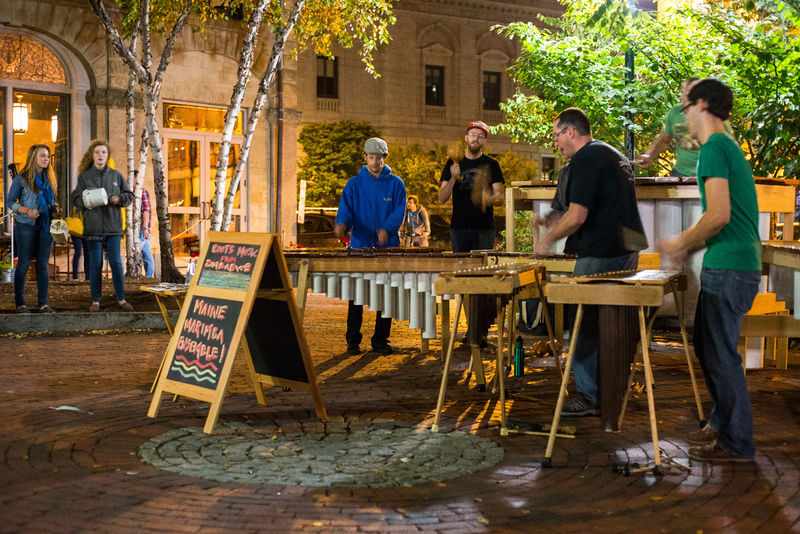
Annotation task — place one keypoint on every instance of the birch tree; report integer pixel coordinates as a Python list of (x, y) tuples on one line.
[(170, 17), (318, 23)]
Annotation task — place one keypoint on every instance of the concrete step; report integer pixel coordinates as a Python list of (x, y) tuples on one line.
[(82, 322)]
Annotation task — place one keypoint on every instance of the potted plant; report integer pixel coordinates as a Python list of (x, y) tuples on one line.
[(6, 271)]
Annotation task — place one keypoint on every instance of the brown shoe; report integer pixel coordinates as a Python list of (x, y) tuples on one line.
[(125, 305), (95, 307), (716, 454), (704, 436)]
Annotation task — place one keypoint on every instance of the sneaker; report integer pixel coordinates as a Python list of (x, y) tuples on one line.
[(353, 350), (22, 309), (46, 309), (385, 350), (704, 436), (579, 405), (712, 452), (125, 305)]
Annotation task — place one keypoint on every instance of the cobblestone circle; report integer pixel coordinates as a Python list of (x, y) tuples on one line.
[(375, 456)]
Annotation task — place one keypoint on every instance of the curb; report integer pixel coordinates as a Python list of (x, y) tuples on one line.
[(82, 322)]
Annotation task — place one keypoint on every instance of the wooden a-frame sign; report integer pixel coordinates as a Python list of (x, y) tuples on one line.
[(240, 297)]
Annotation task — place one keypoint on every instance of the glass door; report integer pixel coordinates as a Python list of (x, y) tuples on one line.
[(191, 167), (182, 167)]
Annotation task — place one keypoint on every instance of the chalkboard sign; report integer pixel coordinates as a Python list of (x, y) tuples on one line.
[(228, 265), (240, 298), (204, 341)]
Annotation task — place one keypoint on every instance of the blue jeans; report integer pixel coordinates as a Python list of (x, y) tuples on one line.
[(95, 247), (725, 296), (33, 242), (584, 362), (147, 257), (79, 246)]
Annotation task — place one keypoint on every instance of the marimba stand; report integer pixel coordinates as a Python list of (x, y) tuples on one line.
[(626, 288), (510, 282)]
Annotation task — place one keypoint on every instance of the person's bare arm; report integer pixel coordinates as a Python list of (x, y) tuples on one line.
[(658, 146), (566, 226), (495, 198), (716, 216), (446, 188)]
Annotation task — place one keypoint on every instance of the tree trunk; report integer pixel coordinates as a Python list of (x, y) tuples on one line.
[(243, 75), (133, 246), (265, 82)]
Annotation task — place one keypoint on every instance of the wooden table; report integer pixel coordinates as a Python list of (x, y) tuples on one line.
[(782, 254), (615, 292), (507, 283), (163, 293)]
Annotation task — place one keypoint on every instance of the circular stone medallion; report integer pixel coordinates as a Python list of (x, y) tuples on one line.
[(376, 455)]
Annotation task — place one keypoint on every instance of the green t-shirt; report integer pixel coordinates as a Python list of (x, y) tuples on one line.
[(686, 147), (737, 246)]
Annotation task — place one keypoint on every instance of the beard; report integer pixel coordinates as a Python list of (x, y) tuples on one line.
[(475, 149)]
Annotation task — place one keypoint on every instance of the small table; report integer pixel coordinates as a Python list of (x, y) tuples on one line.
[(164, 292), (507, 283), (612, 292)]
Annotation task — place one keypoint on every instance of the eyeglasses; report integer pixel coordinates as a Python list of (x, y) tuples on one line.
[(477, 135), (557, 134), (687, 106)]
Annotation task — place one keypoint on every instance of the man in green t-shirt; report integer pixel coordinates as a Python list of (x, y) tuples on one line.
[(686, 147), (730, 276)]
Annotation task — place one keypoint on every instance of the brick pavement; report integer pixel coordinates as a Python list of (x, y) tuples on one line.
[(73, 471)]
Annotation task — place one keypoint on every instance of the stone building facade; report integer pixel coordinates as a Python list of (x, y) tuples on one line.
[(442, 64)]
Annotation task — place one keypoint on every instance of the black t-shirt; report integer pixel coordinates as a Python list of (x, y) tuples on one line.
[(465, 215), (601, 179)]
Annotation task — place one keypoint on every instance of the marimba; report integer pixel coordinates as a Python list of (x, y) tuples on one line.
[(640, 290), (507, 283), (398, 283)]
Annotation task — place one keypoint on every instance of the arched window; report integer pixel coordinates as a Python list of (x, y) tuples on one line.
[(24, 58)]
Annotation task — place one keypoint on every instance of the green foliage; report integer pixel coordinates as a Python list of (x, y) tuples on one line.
[(760, 58), (334, 152), (523, 233), (579, 61), (420, 169), (324, 23)]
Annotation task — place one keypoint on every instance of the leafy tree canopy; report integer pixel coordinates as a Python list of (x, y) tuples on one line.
[(578, 60), (334, 152)]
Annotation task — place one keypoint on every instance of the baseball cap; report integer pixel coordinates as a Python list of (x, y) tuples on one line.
[(479, 125), (376, 145)]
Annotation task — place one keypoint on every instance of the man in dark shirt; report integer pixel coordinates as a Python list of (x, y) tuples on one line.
[(476, 184), (603, 216)]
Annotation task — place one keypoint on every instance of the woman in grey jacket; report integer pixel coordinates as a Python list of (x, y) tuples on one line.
[(102, 224), (32, 198)]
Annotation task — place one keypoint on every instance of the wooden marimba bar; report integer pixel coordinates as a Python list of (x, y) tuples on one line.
[(398, 283), (625, 289), (507, 283)]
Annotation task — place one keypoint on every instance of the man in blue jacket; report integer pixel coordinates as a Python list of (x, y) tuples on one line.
[(372, 207)]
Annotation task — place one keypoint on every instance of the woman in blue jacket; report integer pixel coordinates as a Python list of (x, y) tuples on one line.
[(32, 197)]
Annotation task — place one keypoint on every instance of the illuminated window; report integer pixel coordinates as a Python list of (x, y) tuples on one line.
[(24, 58), (198, 118)]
